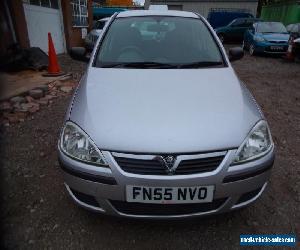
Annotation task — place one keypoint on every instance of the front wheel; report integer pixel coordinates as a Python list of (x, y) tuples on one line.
[(252, 50)]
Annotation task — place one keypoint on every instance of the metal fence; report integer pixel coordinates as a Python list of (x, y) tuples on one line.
[(286, 13)]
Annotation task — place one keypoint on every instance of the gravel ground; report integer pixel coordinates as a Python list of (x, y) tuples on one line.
[(37, 212)]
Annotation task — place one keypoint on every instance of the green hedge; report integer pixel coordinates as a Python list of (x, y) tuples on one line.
[(286, 13)]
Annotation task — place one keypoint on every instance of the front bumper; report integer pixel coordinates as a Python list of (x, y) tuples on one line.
[(103, 189), (268, 47)]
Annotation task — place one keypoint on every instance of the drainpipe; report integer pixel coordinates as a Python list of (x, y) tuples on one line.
[(10, 24)]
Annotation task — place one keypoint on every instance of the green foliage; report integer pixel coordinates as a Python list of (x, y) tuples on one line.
[(267, 2)]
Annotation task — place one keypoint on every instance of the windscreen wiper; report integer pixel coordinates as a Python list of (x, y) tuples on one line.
[(202, 64), (141, 65)]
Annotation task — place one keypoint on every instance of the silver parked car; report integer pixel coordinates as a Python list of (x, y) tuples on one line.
[(93, 35), (160, 126)]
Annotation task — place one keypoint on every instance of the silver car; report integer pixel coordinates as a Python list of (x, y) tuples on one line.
[(160, 126)]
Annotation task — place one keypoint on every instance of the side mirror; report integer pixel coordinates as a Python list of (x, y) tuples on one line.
[(79, 53), (236, 53)]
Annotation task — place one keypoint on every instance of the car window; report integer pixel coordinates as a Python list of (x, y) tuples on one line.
[(249, 22), (271, 27), (161, 39), (295, 29), (238, 23), (290, 27)]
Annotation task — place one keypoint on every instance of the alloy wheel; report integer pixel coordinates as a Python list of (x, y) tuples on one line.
[(252, 50)]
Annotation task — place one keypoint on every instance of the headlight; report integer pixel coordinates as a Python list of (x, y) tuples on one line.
[(259, 39), (75, 143), (258, 143)]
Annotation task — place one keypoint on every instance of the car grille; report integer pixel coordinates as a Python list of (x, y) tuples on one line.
[(199, 165), (135, 208), (156, 167), (278, 42)]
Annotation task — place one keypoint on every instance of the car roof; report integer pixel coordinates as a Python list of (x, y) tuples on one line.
[(133, 13)]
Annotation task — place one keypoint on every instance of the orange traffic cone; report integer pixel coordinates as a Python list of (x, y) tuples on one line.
[(53, 67)]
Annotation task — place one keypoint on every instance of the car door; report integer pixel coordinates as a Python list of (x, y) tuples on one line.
[(240, 28), (236, 29), (246, 26)]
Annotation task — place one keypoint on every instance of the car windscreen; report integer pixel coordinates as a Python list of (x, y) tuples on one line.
[(158, 42), (271, 27)]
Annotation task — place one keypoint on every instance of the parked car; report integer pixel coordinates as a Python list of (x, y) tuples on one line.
[(294, 41), (93, 35), (266, 37), (221, 17), (296, 49), (163, 127), (235, 30), (294, 29)]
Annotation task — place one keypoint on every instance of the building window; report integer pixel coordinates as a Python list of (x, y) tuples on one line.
[(43, 3), (79, 13)]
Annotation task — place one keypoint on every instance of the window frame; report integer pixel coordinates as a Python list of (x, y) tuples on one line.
[(241, 23), (77, 3), (40, 4), (250, 22)]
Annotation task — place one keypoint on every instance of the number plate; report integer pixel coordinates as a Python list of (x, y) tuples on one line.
[(169, 195), (276, 47)]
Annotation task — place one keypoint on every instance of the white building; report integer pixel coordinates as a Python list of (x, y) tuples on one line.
[(203, 7)]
